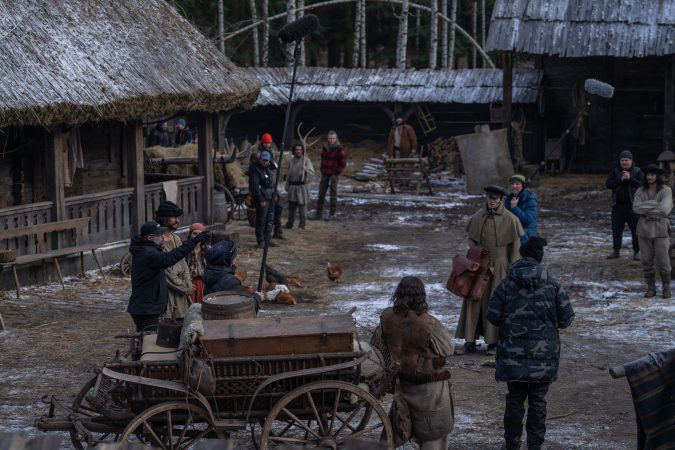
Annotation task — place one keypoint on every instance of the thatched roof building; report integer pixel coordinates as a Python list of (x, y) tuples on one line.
[(74, 61), (319, 84), (576, 28)]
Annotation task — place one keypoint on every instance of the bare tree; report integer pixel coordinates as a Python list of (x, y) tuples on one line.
[(300, 11), (357, 35), (453, 34), (433, 35), (290, 17), (444, 35), (482, 28), (254, 35), (221, 26), (362, 44), (265, 33), (402, 39), (474, 31)]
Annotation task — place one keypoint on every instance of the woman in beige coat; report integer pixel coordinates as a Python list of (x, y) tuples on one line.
[(499, 231), (653, 203)]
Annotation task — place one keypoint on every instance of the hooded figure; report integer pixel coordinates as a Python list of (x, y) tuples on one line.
[(529, 307), (220, 267)]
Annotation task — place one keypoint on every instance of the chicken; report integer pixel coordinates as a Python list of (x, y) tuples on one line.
[(273, 275), (334, 272), (286, 298), (293, 281), (241, 275), (248, 289)]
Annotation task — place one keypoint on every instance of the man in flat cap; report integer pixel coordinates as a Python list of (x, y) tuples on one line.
[(178, 277), (624, 181), (148, 281), (498, 231), (653, 203)]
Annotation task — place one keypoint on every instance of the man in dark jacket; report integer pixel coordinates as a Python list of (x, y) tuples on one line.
[(160, 135), (528, 307), (523, 204), (624, 181), (261, 185), (148, 282), (220, 268)]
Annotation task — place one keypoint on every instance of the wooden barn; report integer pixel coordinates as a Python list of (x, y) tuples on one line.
[(79, 78), (629, 44), (360, 103)]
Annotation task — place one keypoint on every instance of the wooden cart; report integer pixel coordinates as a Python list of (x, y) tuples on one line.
[(310, 400)]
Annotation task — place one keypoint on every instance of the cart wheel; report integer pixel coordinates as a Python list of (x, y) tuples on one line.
[(84, 410), (238, 211), (325, 414), (171, 425), (125, 265), (231, 204)]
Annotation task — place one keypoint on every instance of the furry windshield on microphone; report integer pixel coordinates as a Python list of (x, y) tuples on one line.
[(599, 88), (298, 29)]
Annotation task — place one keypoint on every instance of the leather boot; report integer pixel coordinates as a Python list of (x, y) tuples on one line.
[(651, 285), (665, 284), (614, 255)]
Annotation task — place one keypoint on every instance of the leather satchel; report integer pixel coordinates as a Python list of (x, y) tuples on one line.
[(471, 274)]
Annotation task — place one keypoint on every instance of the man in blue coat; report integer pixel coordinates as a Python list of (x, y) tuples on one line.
[(149, 294), (528, 307), (523, 204)]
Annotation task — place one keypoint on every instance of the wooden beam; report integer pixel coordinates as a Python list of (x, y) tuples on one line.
[(668, 94), (55, 160), (205, 152), (134, 148)]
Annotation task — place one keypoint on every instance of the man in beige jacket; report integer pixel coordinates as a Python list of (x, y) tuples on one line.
[(499, 231), (653, 203)]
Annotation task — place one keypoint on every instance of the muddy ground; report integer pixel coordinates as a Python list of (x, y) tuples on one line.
[(57, 338)]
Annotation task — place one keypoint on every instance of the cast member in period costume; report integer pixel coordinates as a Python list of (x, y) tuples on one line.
[(299, 174), (653, 203), (497, 230)]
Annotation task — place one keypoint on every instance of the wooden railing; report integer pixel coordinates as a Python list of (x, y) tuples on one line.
[(23, 216), (110, 213), (189, 199)]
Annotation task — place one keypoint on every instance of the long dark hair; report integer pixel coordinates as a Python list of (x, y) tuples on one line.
[(410, 295)]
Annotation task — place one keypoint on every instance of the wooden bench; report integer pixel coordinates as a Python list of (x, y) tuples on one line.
[(39, 238)]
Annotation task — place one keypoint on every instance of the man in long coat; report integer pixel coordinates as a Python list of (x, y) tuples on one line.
[(402, 140), (498, 231), (300, 173)]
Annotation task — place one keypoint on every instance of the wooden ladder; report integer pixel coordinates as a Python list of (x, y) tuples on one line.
[(425, 118)]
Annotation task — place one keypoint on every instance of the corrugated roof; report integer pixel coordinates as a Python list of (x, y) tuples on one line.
[(319, 84), (576, 28), (73, 61)]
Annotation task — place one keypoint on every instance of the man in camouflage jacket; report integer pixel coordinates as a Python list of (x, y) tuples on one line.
[(529, 306)]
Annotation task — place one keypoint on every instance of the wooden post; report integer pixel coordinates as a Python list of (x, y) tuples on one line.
[(55, 161), (134, 149), (668, 93), (507, 89), (205, 151)]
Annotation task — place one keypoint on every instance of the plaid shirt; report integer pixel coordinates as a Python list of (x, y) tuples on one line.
[(333, 160)]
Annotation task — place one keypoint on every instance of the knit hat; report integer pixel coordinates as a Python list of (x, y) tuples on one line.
[(265, 156), (152, 228), (625, 154), (398, 115), (182, 122), (197, 227), (168, 209), (534, 248), (222, 254), (266, 138), (517, 177)]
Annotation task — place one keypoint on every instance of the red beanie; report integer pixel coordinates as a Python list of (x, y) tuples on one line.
[(266, 138), (197, 227)]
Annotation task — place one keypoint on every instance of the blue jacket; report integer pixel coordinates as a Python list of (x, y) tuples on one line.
[(529, 307), (148, 280), (220, 278), (526, 211)]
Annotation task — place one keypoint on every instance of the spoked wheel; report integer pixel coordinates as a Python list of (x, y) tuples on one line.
[(231, 204), (85, 412), (125, 265), (171, 425), (325, 414), (238, 210)]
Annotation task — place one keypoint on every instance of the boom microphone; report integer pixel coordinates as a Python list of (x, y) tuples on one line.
[(599, 88), (298, 29)]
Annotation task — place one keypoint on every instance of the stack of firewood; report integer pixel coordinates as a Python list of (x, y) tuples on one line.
[(372, 169), (444, 156)]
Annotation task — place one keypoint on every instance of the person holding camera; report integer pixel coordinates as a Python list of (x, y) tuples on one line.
[(624, 181)]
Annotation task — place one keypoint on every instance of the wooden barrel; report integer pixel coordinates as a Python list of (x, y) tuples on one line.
[(227, 305)]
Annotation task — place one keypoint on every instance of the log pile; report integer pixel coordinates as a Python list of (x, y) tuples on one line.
[(444, 156), (371, 170)]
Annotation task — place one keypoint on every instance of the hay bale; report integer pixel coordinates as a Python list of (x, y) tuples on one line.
[(235, 176)]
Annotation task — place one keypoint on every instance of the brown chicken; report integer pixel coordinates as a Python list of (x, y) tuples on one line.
[(286, 298), (241, 275), (334, 272), (248, 289)]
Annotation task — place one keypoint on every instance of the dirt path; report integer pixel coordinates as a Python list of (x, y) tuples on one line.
[(57, 338)]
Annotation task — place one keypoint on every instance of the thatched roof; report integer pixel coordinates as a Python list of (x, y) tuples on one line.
[(318, 84), (73, 61), (576, 28)]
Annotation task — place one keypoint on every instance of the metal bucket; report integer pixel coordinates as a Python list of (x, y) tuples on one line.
[(219, 207), (227, 305), (168, 333)]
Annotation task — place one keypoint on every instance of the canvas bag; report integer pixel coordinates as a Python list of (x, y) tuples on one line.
[(471, 274)]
